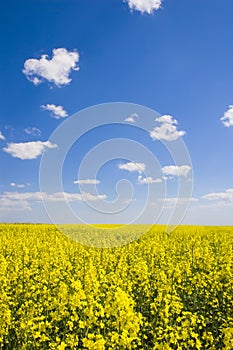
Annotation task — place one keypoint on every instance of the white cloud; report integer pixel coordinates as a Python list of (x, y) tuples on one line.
[(148, 6), (227, 118), (180, 200), (131, 118), (24, 201), (73, 197), (2, 137), (57, 111), (54, 197), (170, 202), (133, 166), (148, 180), (28, 150), (87, 182), (56, 70), (220, 196), (12, 205), (33, 131), (166, 119), (174, 170), (13, 184), (167, 130), (18, 201)]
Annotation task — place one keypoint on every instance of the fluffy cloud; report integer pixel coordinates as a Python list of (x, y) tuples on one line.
[(1, 136), (227, 118), (28, 150), (131, 118), (54, 197), (144, 6), (33, 131), (55, 70), (166, 119), (148, 180), (23, 201), (174, 170), (167, 130), (72, 197), (56, 111), (10, 205), (220, 196), (133, 167), (87, 182)]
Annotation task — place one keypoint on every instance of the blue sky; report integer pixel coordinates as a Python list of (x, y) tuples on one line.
[(175, 60)]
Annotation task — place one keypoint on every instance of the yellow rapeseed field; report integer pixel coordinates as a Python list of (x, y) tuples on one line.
[(162, 291)]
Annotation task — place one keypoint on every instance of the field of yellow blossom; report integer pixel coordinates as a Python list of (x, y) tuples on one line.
[(162, 291)]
